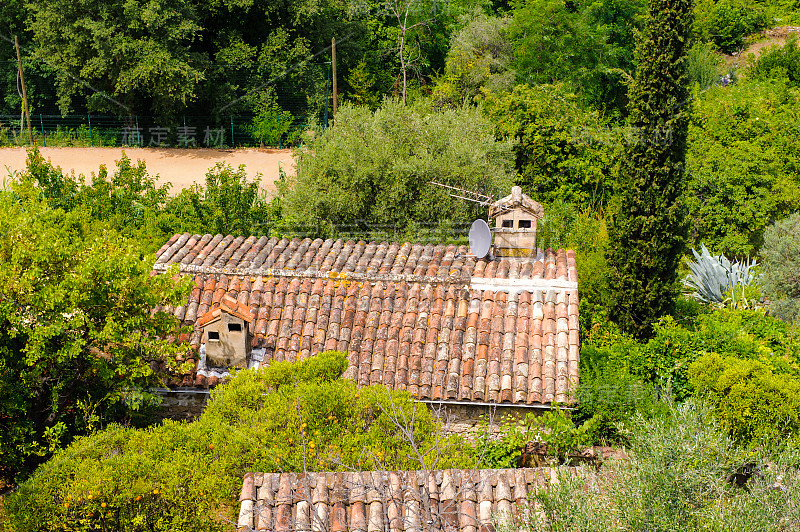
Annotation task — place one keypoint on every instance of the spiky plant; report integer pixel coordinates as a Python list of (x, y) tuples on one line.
[(715, 279)]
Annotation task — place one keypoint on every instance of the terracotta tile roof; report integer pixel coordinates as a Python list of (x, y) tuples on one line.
[(424, 318), (377, 501)]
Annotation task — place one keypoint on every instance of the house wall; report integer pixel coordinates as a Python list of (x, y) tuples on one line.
[(471, 420), (186, 404), (182, 404)]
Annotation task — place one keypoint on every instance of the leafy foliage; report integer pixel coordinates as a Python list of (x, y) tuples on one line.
[(479, 60), (727, 22), (131, 201), (648, 231), (744, 152), (375, 168), (562, 152), (78, 335), (678, 476), (289, 417), (750, 400), (554, 428), (664, 359), (588, 45), (779, 63), (130, 51)]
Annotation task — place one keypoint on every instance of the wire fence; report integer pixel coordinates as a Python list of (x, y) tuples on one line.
[(233, 131)]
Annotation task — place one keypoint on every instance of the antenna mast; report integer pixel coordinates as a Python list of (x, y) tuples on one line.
[(475, 197)]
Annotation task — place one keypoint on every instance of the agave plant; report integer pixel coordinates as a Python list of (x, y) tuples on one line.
[(715, 279)]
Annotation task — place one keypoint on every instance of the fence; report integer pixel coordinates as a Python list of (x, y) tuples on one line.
[(186, 132)]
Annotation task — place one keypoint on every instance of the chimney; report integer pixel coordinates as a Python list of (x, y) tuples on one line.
[(226, 335), (515, 217)]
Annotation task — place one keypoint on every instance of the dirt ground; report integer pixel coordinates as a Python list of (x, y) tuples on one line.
[(760, 44), (181, 167)]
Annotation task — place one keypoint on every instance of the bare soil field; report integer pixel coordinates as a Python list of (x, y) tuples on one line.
[(180, 167), (759, 44)]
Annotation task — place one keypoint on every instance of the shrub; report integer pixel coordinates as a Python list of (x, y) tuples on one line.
[(562, 152), (779, 62), (678, 476), (179, 476), (609, 393), (555, 428), (744, 151), (781, 256), (749, 399), (727, 22), (703, 65)]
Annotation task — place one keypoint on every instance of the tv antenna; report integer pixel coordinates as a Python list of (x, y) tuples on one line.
[(476, 197)]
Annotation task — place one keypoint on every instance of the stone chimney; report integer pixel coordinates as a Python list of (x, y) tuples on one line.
[(515, 217), (226, 334)]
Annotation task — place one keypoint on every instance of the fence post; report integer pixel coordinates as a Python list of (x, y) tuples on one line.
[(138, 135), (91, 140), (279, 130), (41, 123), (233, 142)]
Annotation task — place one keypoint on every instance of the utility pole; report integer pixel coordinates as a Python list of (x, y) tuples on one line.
[(24, 92), (333, 73)]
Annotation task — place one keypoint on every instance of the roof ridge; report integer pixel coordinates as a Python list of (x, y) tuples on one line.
[(372, 277)]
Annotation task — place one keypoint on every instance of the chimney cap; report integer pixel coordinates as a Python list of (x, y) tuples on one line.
[(516, 200)]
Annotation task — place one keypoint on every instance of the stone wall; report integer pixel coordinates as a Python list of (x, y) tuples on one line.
[(182, 404), (468, 420)]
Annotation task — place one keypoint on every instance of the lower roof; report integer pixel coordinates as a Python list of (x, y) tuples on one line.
[(450, 500)]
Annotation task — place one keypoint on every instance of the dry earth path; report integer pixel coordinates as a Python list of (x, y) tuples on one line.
[(180, 167)]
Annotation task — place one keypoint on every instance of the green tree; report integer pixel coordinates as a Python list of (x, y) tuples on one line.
[(743, 160), (137, 54), (375, 167), (647, 235), (78, 333), (479, 58), (290, 417), (587, 45), (562, 152), (230, 204), (727, 22)]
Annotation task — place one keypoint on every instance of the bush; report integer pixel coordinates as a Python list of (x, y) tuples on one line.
[(781, 261), (554, 428), (779, 63), (679, 476), (664, 360), (703, 65), (179, 476), (749, 399), (727, 22), (562, 152)]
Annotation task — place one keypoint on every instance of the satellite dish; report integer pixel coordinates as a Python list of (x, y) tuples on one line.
[(480, 238)]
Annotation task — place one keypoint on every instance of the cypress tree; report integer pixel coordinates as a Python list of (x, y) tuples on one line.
[(648, 232)]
